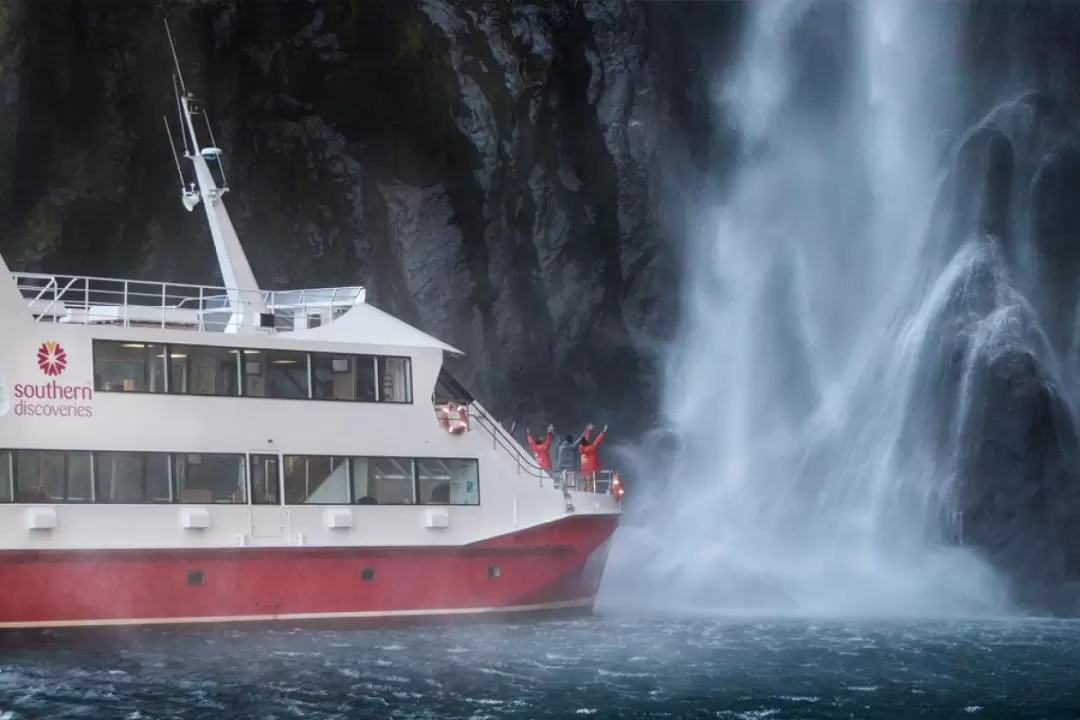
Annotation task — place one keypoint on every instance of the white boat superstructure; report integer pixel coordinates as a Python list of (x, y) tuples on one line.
[(133, 374)]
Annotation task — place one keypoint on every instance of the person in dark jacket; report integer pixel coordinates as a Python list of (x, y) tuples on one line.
[(567, 456)]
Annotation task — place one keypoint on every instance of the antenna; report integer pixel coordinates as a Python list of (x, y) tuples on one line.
[(179, 89), (180, 113), (189, 195), (168, 131), (176, 60), (215, 152)]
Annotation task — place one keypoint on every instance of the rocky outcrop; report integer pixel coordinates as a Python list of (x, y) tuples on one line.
[(1009, 349)]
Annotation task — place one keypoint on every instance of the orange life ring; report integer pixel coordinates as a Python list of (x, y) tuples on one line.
[(454, 418)]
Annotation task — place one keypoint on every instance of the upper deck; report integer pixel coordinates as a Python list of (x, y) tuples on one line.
[(337, 315), (84, 300)]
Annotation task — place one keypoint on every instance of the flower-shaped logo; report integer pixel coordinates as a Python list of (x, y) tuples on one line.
[(51, 358)]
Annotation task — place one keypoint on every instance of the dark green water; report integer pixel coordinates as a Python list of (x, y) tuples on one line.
[(594, 668)]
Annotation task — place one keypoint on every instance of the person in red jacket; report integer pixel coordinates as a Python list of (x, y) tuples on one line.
[(542, 450), (590, 461)]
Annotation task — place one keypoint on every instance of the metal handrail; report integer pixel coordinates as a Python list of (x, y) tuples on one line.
[(604, 479), (87, 293), (499, 437), (603, 483), (527, 461)]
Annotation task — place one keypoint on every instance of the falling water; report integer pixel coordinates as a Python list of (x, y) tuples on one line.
[(808, 465)]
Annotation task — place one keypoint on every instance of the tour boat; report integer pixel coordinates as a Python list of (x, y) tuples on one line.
[(177, 454)]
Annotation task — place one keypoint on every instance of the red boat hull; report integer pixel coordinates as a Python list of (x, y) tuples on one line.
[(549, 569)]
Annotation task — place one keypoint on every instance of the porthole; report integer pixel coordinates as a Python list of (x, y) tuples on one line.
[(494, 571), (367, 574), (196, 577)]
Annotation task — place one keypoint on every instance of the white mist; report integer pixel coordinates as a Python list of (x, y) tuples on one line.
[(802, 481)]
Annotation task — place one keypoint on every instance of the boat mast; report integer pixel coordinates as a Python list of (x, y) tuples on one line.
[(246, 300)]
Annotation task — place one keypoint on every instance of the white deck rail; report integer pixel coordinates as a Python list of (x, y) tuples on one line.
[(526, 462), (88, 300)]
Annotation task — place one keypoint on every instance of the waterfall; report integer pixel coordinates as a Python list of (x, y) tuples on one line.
[(819, 416)]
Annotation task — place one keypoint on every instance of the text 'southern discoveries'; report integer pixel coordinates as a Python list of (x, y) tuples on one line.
[(60, 400)]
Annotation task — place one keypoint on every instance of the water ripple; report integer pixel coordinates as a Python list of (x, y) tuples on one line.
[(596, 668)]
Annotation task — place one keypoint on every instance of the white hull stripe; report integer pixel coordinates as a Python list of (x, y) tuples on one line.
[(225, 619)]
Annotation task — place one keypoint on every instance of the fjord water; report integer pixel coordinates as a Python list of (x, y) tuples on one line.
[(804, 467), (596, 668)]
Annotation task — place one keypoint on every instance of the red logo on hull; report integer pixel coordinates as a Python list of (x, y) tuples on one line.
[(51, 358)]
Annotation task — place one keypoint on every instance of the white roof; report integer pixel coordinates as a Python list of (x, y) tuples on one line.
[(371, 326)]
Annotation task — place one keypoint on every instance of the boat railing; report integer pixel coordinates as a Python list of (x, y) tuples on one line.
[(602, 484), (500, 438), (96, 300)]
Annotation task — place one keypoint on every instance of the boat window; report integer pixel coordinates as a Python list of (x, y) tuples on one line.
[(316, 480), (444, 481), (159, 485), (129, 366), (448, 389), (252, 361), (367, 374), (287, 375), (52, 476), (333, 377), (282, 374), (132, 477), (119, 477), (39, 476), (210, 478), (203, 370), (383, 481), (343, 377), (395, 381), (276, 374), (7, 477), (79, 473), (31, 476), (264, 480)]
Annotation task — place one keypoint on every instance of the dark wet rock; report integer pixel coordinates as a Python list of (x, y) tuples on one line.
[(1019, 500)]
